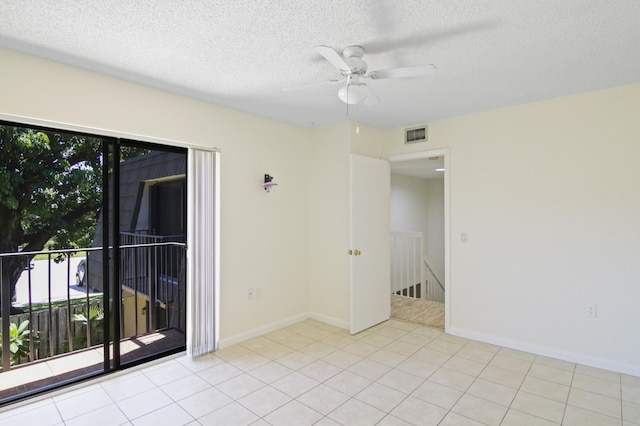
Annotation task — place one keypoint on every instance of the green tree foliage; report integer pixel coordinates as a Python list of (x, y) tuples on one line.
[(49, 181), (50, 192)]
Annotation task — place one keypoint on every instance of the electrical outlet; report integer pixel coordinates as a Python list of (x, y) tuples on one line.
[(592, 311), (251, 293)]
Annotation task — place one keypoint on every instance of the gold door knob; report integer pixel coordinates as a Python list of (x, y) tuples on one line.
[(357, 252), (350, 252)]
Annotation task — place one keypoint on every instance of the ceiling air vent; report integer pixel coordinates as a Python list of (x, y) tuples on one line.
[(415, 135)]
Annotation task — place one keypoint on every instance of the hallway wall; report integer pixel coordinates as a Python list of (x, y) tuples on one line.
[(418, 205), (547, 193)]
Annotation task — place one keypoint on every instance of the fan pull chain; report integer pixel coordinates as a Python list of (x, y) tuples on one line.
[(348, 97)]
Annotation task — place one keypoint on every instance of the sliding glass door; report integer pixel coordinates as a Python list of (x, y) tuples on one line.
[(92, 255), (149, 213)]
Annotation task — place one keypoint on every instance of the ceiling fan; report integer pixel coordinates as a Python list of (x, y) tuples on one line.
[(354, 69)]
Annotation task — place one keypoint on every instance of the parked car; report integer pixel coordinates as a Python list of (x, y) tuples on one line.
[(81, 276)]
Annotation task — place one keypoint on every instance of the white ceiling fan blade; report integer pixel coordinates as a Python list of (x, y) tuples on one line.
[(309, 85), (416, 71), (333, 57), (371, 98)]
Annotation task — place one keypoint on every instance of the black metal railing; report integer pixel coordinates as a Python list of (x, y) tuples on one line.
[(56, 305), (153, 267)]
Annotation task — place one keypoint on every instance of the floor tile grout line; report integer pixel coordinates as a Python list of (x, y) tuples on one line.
[(448, 411), (307, 332), (566, 403), (294, 350), (354, 397), (526, 375), (99, 385), (469, 387), (347, 369), (102, 384), (58, 411), (319, 384), (435, 371), (519, 390), (621, 402)]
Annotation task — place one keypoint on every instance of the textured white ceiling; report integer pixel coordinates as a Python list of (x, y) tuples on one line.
[(241, 53)]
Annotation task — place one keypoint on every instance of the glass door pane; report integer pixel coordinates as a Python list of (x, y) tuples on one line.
[(51, 194), (152, 234)]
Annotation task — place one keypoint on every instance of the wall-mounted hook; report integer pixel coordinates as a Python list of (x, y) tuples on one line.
[(268, 182)]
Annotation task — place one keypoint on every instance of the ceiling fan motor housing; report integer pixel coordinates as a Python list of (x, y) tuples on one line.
[(353, 56)]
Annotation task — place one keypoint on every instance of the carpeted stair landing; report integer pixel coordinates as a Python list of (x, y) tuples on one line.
[(419, 311)]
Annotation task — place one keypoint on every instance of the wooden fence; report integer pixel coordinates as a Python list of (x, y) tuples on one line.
[(59, 333)]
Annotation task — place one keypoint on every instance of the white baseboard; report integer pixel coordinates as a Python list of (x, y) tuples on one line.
[(604, 364), (256, 332), (329, 320), (230, 341)]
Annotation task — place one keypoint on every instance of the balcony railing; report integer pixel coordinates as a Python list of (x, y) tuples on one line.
[(145, 259), (58, 302), (152, 268)]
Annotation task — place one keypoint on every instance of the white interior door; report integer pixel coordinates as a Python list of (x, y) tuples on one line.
[(370, 242)]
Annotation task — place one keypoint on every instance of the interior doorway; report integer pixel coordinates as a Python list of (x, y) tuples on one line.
[(420, 237)]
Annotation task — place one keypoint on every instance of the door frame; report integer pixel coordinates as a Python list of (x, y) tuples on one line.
[(445, 153)]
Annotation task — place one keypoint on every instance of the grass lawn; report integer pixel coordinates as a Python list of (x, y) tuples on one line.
[(63, 303)]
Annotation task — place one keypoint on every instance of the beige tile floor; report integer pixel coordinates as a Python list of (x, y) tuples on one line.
[(396, 373)]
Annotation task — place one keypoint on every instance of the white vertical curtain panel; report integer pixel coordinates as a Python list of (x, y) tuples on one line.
[(202, 263)]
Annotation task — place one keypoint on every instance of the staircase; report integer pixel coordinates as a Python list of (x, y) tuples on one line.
[(411, 274)]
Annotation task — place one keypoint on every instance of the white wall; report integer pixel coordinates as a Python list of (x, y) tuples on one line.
[(329, 216), (418, 205), (408, 204), (264, 237), (435, 226), (329, 270), (365, 140), (548, 194)]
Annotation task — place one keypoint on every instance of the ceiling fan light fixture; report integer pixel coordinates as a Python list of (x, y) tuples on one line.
[(353, 94), (354, 69)]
